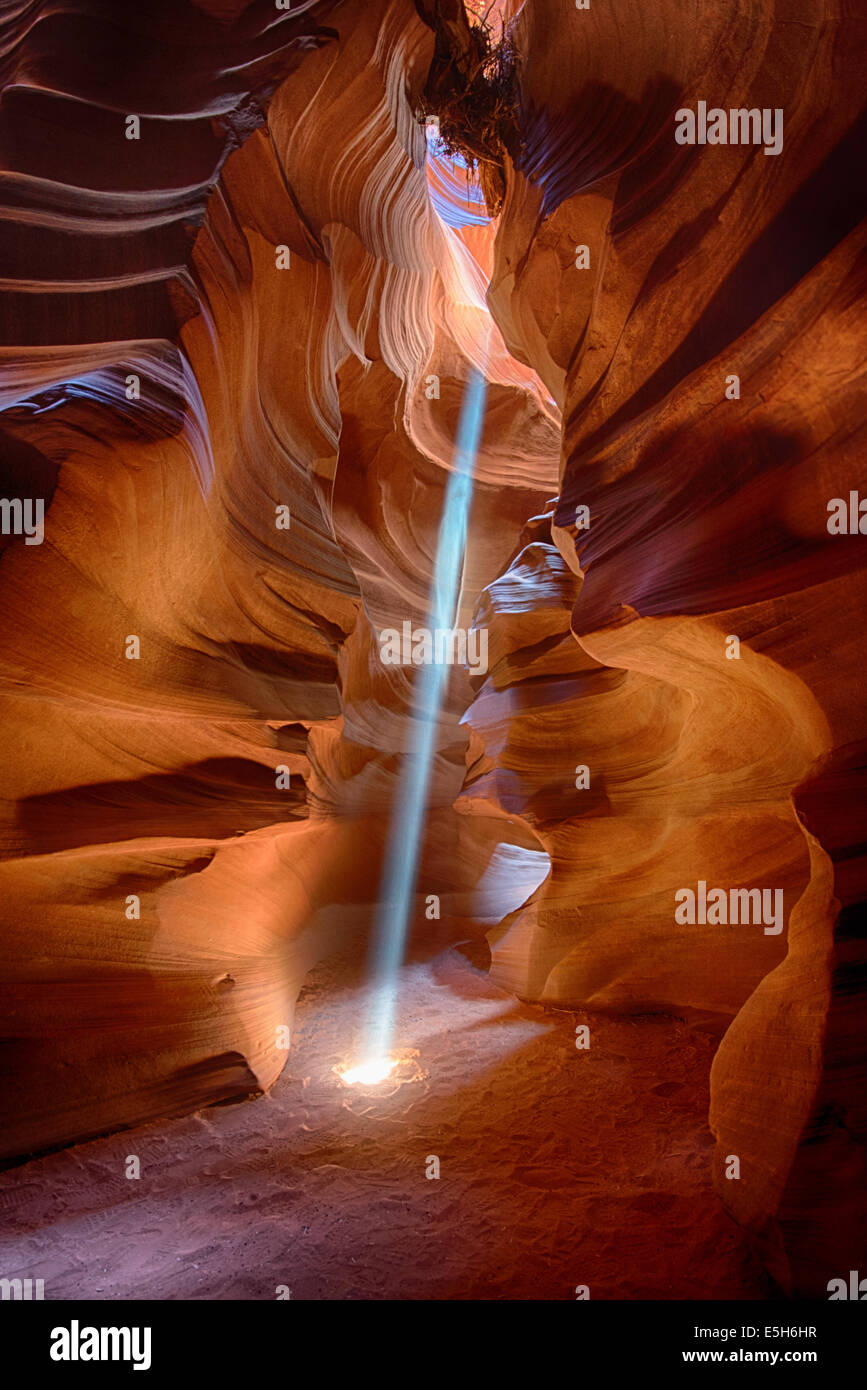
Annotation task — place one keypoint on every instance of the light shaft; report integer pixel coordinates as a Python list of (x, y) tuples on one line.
[(400, 868)]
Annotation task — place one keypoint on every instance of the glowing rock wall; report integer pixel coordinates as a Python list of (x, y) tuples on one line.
[(189, 827), (708, 519)]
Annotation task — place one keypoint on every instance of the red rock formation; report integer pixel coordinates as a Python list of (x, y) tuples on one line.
[(707, 519), (305, 387)]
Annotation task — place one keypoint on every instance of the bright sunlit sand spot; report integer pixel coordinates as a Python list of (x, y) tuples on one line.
[(367, 1073)]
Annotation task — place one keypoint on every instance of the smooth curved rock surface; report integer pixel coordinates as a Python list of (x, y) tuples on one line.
[(707, 519), (260, 387)]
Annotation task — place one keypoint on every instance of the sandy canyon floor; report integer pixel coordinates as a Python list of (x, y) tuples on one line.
[(558, 1167)]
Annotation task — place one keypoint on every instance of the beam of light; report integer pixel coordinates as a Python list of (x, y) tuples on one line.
[(400, 867)]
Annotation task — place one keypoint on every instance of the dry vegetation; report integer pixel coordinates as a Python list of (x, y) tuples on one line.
[(472, 89)]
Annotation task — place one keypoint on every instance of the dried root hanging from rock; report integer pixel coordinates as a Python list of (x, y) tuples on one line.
[(472, 91)]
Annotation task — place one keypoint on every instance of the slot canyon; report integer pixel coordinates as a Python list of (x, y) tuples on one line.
[(318, 322)]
